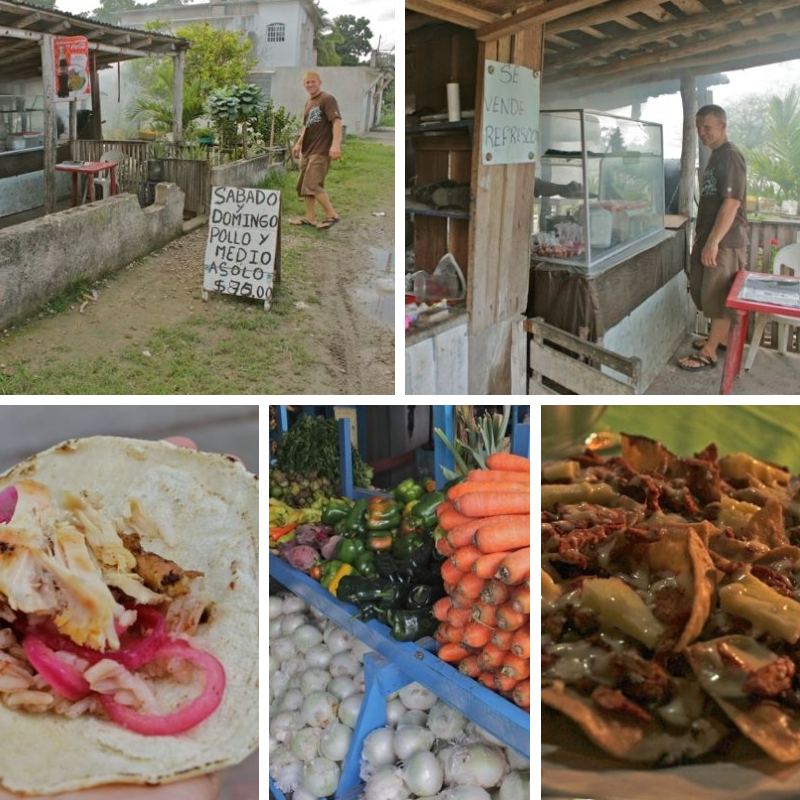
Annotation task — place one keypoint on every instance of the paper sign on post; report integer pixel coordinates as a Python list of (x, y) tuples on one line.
[(243, 249), (510, 129)]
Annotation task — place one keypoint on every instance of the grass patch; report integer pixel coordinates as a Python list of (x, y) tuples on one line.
[(234, 346)]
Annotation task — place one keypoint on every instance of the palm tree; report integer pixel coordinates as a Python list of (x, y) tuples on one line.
[(775, 167), (325, 40)]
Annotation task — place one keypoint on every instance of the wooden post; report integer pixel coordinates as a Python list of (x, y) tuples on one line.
[(688, 146), (50, 135), (97, 111), (177, 97)]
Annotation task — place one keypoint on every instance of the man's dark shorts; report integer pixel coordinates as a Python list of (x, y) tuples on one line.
[(709, 286), (313, 170)]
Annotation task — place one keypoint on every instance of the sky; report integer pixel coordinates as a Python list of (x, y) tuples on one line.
[(380, 13), (773, 79)]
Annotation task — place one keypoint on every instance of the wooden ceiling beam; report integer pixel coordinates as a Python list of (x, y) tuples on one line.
[(747, 37), (539, 14), (453, 11), (686, 28), (597, 15)]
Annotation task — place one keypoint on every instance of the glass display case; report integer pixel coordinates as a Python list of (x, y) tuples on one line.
[(21, 122), (599, 187)]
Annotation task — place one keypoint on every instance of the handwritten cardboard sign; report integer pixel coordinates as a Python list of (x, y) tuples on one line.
[(243, 251), (510, 128)]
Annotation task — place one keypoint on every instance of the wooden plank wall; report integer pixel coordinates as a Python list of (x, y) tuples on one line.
[(502, 224)]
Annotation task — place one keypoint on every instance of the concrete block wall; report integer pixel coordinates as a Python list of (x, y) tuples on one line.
[(246, 172), (41, 258)]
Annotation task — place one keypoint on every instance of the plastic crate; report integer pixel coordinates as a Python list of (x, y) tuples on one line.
[(510, 724)]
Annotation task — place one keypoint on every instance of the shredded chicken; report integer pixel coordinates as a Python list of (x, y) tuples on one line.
[(159, 574)]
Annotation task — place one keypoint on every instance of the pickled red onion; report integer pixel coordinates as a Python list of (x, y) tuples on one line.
[(8, 503), (189, 715), (65, 679)]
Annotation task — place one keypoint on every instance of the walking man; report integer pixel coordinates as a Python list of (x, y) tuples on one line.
[(319, 142), (720, 241)]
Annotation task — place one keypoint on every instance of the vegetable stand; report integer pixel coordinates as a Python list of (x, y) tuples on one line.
[(370, 571), (397, 664)]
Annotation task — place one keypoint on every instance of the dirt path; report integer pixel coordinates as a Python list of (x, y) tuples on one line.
[(336, 297)]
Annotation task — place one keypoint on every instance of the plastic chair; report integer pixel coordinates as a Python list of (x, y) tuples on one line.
[(788, 257), (105, 180)]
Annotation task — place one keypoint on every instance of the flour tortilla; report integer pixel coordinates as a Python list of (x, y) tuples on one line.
[(207, 508)]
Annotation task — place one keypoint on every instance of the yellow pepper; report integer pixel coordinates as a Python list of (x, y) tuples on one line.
[(345, 569)]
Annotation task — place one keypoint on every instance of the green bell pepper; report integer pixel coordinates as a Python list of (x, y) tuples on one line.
[(328, 572), (383, 514), (365, 565), (334, 511), (404, 546), (348, 550), (363, 591), (423, 515), (408, 625), (354, 524), (408, 490), (380, 540)]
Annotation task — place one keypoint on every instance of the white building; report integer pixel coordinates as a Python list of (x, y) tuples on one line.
[(282, 33)]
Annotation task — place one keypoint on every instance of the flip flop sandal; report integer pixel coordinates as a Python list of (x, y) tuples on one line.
[(328, 223), (697, 363), (302, 221), (699, 344)]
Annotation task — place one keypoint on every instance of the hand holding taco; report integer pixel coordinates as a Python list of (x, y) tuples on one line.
[(128, 615)]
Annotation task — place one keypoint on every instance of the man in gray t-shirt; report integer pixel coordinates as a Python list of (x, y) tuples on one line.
[(720, 242)]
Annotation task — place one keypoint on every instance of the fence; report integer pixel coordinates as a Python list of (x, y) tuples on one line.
[(180, 165)]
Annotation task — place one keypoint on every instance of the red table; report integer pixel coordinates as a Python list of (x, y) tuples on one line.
[(89, 169), (738, 331)]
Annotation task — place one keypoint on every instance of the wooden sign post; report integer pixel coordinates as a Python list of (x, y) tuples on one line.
[(243, 251)]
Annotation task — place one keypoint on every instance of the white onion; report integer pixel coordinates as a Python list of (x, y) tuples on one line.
[(292, 604), (483, 734), (319, 656), (339, 640), (274, 627), (314, 680), (350, 708), (282, 726), (291, 700), (335, 741), (417, 697), (305, 637), (343, 664), (379, 747), (423, 773), (386, 784), (413, 717), (286, 770), (342, 686), (282, 648), (305, 744), (294, 668), (319, 709), (274, 664), (476, 764), (516, 760), (515, 786), (302, 794), (410, 739), (321, 777), (394, 710), (291, 622), (465, 793), (445, 722), (275, 606)]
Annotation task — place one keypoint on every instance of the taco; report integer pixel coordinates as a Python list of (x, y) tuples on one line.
[(128, 615)]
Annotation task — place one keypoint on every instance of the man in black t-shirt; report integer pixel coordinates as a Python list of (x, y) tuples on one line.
[(720, 240)]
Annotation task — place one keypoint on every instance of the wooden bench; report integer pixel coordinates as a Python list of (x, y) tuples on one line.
[(562, 363)]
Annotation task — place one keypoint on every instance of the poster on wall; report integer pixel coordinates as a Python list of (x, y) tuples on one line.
[(71, 61), (243, 247), (510, 130)]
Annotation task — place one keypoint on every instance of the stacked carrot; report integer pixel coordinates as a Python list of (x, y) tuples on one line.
[(485, 533)]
